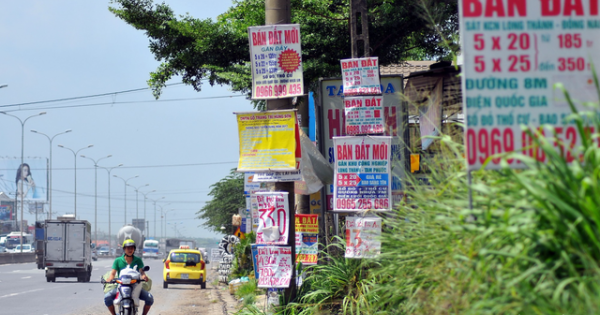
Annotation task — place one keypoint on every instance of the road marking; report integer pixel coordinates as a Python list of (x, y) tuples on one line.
[(15, 294), (26, 277)]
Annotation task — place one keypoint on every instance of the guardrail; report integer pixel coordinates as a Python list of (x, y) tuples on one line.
[(16, 258)]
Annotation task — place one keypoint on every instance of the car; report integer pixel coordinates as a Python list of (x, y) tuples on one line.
[(3, 249), (184, 266), (27, 248), (94, 255), (103, 251)]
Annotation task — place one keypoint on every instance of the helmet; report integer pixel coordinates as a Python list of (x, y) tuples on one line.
[(129, 243)]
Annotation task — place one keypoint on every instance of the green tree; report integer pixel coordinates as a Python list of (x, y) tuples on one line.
[(218, 51), (227, 198)]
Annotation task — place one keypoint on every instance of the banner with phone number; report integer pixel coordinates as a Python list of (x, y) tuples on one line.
[(273, 214), (307, 233), (364, 115), (362, 173), (276, 60), (515, 52), (362, 237)]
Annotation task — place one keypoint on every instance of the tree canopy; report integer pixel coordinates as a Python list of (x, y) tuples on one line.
[(218, 51), (227, 197)]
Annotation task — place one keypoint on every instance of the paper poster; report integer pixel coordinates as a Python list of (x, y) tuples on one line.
[(276, 59), (307, 245), (361, 76), (364, 115), (275, 266), (514, 54), (273, 213), (267, 141), (362, 237), (362, 173), (290, 176)]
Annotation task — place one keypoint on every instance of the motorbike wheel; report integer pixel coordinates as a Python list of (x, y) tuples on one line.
[(127, 311)]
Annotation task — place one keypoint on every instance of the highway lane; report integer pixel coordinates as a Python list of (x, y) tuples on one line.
[(24, 290)]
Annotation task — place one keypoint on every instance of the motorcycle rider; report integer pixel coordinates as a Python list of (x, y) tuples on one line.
[(120, 263)]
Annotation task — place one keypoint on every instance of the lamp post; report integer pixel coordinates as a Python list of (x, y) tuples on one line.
[(149, 192), (125, 186), (50, 173), (154, 201), (108, 170), (75, 158), (20, 189), (96, 194), (137, 215), (165, 224)]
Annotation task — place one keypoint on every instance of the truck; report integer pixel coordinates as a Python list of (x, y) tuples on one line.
[(131, 232), (68, 248), (176, 243)]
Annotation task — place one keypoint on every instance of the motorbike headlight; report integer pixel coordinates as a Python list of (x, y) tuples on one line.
[(126, 280)]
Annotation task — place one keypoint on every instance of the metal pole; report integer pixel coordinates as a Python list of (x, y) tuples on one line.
[(109, 170), (125, 183), (75, 158)]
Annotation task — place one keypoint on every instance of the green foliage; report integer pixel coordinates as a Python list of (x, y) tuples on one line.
[(227, 198), (218, 51), (247, 292), (242, 251)]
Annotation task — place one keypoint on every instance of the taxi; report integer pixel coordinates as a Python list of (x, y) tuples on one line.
[(184, 266)]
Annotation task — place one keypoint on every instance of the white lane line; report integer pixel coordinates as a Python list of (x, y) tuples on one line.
[(26, 277), (15, 294)]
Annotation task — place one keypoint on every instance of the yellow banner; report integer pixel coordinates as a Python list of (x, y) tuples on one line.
[(267, 141)]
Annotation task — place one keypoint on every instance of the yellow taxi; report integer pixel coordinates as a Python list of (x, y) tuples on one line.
[(184, 266)]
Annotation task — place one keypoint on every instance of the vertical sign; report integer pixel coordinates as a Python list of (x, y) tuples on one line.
[(307, 231), (362, 173), (361, 76), (273, 217), (395, 120), (276, 60), (274, 264), (362, 237), (514, 52), (364, 115)]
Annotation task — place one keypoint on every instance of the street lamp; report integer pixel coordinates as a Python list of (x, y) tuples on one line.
[(125, 186), (165, 224), (50, 173), (154, 201), (96, 193), (20, 189), (108, 170), (149, 192), (137, 215), (75, 158)]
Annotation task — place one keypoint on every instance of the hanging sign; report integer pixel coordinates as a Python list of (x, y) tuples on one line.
[(274, 265), (515, 52), (276, 59), (307, 245), (361, 76), (273, 214), (362, 173), (364, 115), (362, 237), (267, 141)]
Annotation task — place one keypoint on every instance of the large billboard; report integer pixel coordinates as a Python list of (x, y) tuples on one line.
[(34, 177)]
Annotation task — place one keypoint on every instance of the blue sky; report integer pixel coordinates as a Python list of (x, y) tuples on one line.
[(179, 145)]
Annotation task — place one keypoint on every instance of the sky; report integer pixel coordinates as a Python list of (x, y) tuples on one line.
[(178, 145)]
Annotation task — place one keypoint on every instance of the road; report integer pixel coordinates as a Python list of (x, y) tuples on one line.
[(24, 291)]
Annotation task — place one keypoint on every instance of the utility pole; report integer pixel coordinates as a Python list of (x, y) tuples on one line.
[(359, 29), (279, 12)]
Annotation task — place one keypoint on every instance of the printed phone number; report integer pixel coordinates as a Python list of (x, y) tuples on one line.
[(361, 204), (353, 130), (278, 90)]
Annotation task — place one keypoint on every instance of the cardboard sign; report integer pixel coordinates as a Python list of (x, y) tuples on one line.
[(362, 237), (273, 214), (275, 266)]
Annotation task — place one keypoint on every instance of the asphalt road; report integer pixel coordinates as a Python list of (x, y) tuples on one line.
[(24, 290)]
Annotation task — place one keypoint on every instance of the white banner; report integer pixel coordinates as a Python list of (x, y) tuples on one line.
[(364, 115), (361, 76), (273, 213), (362, 237), (274, 265)]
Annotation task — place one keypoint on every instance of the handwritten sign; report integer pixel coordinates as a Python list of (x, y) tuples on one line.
[(362, 173), (274, 264), (361, 76), (273, 211), (514, 52), (362, 237), (307, 242), (364, 115), (276, 59)]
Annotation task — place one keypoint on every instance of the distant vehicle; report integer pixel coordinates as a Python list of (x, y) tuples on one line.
[(27, 248), (150, 249), (68, 249), (103, 251), (175, 243), (94, 255), (2, 249), (14, 238), (184, 266)]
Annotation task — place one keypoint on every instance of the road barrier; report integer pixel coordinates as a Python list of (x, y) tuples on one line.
[(15, 258)]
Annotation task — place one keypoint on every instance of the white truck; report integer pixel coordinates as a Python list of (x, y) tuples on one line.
[(68, 249)]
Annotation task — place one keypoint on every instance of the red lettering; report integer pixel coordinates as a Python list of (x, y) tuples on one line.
[(593, 7), (519, 5), (472, 8), (496, 63), (494, 6), (389, 114), (495, 42), (335, 123), (550, 7), (573, 5)]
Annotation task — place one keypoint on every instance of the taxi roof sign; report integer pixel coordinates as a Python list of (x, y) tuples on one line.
[(184, 247)]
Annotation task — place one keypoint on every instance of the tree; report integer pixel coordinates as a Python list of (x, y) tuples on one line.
[(199, 50), (227, 198)]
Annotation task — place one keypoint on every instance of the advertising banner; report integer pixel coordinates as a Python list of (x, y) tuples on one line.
[(274, 265), (290, 176), (364, 115), (307, 233), (250, 186), (362, 237), (362, 173), (267, 141), (395, 120), (276, 59), (34, 175), (273, 214), (514, 53), (430, 115), (6, 213), (361, 76)]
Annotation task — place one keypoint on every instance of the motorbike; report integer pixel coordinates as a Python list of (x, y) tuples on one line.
[(129, 287)]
